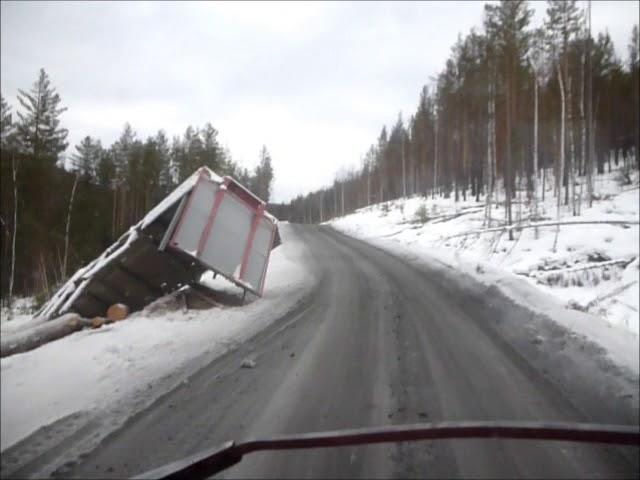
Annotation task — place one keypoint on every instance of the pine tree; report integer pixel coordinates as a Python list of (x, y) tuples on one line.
[(562, 23), (540, 66), (383, 173), (507, 24), (590, 134), (148, 187), (137, 183), (6, 141), (121, 154), (604, 66), (39, 127), (122, 150), (106, 169), (6, 123), (212, 155), (87, 157), (41, 139), (422, 141), (634, 69), (263, 176), (242, 175), (393, 158), (190, 154), (165, 178)]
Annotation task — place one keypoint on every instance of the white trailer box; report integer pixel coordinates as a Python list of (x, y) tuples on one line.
[(207, 223)]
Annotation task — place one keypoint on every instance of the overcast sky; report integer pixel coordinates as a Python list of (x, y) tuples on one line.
[(314, 82)]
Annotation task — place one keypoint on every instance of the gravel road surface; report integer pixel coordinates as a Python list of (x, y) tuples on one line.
[(382, 342)]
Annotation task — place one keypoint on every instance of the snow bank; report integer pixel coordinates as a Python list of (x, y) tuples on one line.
[(589, 283), (20, 317), (121, 363)]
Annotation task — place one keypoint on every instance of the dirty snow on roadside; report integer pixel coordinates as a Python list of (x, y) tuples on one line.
[(128, 363), (589, 283)]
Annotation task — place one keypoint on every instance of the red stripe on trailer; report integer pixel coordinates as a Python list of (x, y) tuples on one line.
[(186, 209), (266, 263), (212, 214), (252, 233)]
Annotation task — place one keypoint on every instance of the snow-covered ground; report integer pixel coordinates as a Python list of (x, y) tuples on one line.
[(121, 367), (600, 302), (18, 317)]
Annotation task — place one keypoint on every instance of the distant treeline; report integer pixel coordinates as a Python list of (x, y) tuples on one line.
[(55, 219), (512, 105)]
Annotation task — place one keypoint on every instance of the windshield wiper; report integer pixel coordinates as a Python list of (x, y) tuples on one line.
[(209, 462)]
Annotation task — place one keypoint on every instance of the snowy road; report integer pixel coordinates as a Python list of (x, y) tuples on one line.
[(381, 342)]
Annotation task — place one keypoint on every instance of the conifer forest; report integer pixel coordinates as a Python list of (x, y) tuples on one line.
[(512, 107)]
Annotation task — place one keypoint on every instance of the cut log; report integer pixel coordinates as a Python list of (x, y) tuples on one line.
[(117, 311), (44, 333), (561, 271)]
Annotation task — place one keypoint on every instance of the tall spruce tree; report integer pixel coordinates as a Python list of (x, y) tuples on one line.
[(38, 126), (87, 157)]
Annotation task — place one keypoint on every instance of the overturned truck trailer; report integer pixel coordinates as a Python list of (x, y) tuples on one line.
[(206, 223)]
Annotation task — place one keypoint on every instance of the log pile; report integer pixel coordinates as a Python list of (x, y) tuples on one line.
[(41, 334), (56, 329), (117, 311)]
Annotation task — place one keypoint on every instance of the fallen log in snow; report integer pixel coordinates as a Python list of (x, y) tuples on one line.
[(47, 332), (542, 224), (611, 294), (581, 275), (541, 273), (35, 337)]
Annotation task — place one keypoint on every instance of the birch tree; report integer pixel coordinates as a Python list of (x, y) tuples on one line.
[(66, 234)]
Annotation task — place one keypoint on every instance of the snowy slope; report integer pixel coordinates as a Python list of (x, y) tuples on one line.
[(121, 367), (528, 269)]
